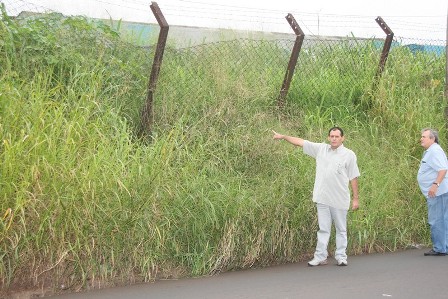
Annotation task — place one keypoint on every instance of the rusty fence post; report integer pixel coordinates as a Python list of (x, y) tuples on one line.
[(386, 47), (147, 113), (292, 60)]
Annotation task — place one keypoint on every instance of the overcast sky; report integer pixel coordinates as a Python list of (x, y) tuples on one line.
[(407, 18)]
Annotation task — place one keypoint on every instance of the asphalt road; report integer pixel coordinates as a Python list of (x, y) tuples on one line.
[(407, 274)]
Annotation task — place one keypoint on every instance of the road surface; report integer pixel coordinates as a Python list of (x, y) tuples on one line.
[(406, 274)]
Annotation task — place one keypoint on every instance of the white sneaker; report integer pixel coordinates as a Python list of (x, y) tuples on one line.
[(315, 262), (342, 262)]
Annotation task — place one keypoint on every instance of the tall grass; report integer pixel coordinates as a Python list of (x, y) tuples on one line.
[(93, 206)]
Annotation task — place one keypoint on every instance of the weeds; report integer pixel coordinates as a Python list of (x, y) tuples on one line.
[(86, 204)]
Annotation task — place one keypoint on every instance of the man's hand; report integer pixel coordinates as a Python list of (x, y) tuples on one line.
[(355, 204), (277, 135), (432, 190)]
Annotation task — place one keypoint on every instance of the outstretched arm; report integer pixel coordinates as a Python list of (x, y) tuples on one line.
[(293, 140)]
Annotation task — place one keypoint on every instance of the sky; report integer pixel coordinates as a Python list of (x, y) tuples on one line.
[(406, 18)]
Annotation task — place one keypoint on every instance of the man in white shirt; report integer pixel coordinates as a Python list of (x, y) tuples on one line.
[(432, 181), (336, 167)]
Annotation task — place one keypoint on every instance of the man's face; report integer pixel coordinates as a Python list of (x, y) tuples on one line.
[(425, 141), (335, 139)]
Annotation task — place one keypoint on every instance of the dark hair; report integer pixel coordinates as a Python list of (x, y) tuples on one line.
[(336, 129), (433, 134)]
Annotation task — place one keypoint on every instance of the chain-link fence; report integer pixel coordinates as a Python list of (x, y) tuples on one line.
[(321, 61), (329, 70), (332, 69)]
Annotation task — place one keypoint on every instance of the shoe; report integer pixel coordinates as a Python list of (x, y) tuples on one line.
[(342, 262), (434, 253), (315, 262)]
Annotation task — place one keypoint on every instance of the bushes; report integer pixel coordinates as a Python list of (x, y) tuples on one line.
[(213, 191)]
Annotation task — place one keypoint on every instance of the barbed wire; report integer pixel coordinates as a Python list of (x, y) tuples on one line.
[(204, 14), (330, 58)]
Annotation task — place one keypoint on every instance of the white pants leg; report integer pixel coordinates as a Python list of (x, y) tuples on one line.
[(340, 223), (323, 235), (325, 216)]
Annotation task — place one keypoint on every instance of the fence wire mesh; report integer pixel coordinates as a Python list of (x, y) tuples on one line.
[(264, 62), (328, 70)]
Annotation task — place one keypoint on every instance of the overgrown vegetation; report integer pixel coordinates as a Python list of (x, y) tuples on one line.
[(84, 203)]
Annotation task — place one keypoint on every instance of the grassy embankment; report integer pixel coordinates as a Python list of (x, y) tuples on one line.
[(86, 203)]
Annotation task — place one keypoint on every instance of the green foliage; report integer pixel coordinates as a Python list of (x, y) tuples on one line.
[(85, 203)]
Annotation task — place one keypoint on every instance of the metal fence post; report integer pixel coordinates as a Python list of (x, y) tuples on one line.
[(386, 47), (292, 60), (147, 113)]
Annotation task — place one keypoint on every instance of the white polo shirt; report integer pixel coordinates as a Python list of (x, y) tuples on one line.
[(434, 160), (334, 170)]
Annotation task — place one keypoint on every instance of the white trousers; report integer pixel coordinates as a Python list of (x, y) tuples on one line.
[(325, 216)]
